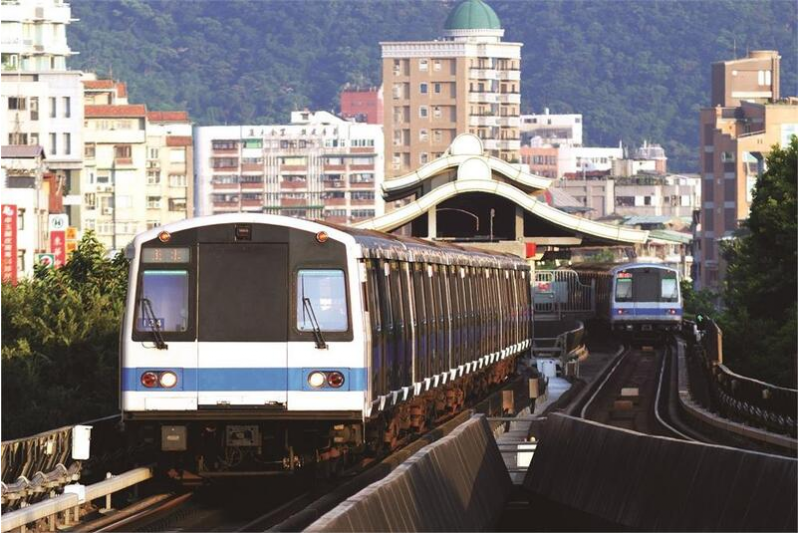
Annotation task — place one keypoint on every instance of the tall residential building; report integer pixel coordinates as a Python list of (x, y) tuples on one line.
[(747, 119), (41, 99), (362, 105), (317, 166), (551, 129), (138, 165), (466, 82)]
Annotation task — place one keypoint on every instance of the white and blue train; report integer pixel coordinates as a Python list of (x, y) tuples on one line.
[(258, 342), (635, 298)]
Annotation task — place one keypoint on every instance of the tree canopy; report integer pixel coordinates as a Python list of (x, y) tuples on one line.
[(60, 342), (635, 70)]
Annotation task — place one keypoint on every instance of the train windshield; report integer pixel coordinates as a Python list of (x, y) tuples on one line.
[(647, 285), (669, 287), (164, 301), (321, 295)]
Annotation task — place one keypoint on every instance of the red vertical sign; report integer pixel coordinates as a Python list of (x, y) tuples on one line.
[(58, 246), (9, 229)]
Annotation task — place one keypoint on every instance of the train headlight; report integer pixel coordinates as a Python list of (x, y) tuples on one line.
[(168, 379), (316, 379), (149, 379), (335, 379), (164, 236)]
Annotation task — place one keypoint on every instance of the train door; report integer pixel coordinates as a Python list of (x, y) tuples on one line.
[(242, 324)]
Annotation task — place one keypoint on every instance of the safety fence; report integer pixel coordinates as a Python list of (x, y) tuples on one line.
[(741, 398), (33, 467), (564, 339), (560, 293)]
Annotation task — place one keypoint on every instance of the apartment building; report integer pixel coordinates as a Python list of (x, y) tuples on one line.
[(551, 129), (746, 120), (362, 105), (138, 165), (467, 81), (41, 98), (317, 166)]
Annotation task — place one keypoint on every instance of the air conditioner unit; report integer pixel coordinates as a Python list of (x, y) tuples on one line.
[(108, 211)]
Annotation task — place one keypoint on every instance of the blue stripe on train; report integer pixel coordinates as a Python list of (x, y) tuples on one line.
[(244, 379), (649, 311)]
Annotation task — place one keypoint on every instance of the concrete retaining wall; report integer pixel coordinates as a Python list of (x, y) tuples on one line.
[(660, 484), (458, 483)]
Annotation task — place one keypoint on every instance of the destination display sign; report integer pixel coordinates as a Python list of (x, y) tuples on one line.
[(166, 255)]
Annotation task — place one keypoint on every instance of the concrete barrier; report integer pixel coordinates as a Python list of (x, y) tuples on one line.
[(458, 483), (643, 482)]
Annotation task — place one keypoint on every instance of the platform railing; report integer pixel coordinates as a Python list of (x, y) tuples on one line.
[(741, 398), (560, 293)]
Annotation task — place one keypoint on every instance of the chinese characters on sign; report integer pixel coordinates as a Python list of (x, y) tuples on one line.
[(58, 246), (9, 229)]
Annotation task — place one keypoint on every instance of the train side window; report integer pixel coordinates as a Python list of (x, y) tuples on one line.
[(164, 301), (321, 295), (373, 272), (430, 315)]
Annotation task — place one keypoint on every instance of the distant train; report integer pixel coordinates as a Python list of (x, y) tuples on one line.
[(635, 297), (257, 342)]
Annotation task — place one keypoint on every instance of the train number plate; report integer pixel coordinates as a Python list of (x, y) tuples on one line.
[(647, 327), (242, 436)]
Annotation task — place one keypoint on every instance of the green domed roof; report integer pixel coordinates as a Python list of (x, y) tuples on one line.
[(472, 15)]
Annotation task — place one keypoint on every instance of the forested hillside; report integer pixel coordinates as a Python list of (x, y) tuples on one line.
[(636, 70)]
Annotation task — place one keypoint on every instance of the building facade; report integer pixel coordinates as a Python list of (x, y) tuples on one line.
[(317, 166), (138, 165), (41, 99), (551, 129), (466, 82), (362, 105), (747, 119)]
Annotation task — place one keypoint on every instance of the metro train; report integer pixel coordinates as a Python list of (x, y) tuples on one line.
[(256, 342), (635, 298)]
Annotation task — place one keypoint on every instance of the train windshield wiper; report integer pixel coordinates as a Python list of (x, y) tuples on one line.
[(150, 317), (318, 338)]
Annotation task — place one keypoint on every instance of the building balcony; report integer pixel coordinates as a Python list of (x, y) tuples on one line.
[(494, 144), (362, 167), (334, 184), (362, 150), (252, 203), (335, 201), (224, 151), (226, 206), (293, 202), (225, 168), (494, 120), (362, 202), (252, 185), (333, 168), (225, 187), (362, 184), (494, 98), (123, 161), (294, 168), (293, 184), (252, 167)]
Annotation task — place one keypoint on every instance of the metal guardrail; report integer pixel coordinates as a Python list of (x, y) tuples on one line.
[(741, 398), (567, 346), (560, 293), (71, 500)]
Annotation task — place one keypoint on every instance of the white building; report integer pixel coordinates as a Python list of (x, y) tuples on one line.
[(42, 101), (549, 129), (317, 166)]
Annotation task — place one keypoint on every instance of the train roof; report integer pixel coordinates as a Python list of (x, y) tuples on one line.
[(615, 267), (373, 244)]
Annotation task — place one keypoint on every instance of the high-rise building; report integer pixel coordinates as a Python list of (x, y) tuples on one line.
[(747, 119), (466, 82), (362, 105), (317, 166), (138, 172), (41, 99)]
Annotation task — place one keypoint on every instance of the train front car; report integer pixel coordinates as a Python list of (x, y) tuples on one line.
[(645, 299), (243, 343)]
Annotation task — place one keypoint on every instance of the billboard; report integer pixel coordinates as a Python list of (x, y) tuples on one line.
[(9, 229)]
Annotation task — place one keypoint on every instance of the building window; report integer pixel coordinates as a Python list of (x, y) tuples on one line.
[(437, 64), (177, 155), (423, 158), (34, 108), (17, 139), (16, 103), (253, 143), (153, 202), (437, 88), (437, 134), (397, 161), (122, 151), (102, 178), (728, 157), (177, 180), (153, 224), (362, 195), (67, 108), (423, 65), (53, 146), (53, 107), (423, 134), (437, 111), (20, 260), (224, 145), (89, 150), (423, 88), (423, 111), (363, 213), (21, 219), (152, 153), (179, 204), (153, 177), (67, 143)]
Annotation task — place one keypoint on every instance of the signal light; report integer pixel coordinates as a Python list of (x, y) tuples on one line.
[(149, 379), (335, 379), (322, 237), (164, 236)]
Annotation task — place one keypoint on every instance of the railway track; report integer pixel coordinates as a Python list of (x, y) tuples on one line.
[(639, 393)]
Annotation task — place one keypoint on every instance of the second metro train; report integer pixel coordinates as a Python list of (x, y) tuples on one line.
[(635, 298), (258, 342)]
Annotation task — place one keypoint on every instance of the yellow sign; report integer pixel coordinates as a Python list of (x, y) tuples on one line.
[(71, 246), (72, 233)]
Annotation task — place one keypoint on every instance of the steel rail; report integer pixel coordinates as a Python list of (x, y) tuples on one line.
[(599, 388), (656, 410)]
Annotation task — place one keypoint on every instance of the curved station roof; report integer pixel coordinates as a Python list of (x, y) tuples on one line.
[(465, 184)]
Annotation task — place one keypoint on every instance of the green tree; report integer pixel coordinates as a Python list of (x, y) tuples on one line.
[(60, 342), (698, 302), (760, 292)]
